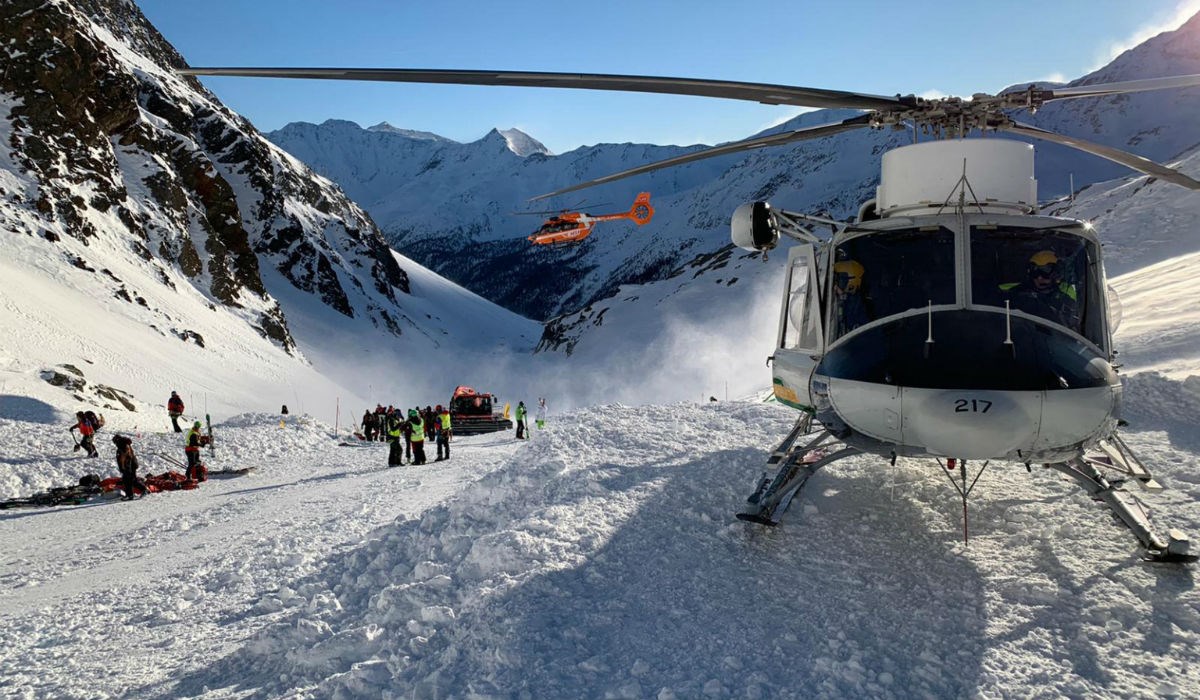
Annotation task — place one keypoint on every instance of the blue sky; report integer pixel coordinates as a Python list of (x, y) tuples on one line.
[(914, 46)]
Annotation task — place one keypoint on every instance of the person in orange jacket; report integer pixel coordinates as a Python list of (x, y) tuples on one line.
[(87, 431)]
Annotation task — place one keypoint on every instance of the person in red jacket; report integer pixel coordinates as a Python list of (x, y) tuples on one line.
[(86, 432), (175, 410)]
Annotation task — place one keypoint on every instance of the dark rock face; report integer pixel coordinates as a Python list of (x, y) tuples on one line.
[(193, 185)]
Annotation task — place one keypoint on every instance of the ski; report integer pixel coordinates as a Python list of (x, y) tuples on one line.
[(208, 422), (230, 472)]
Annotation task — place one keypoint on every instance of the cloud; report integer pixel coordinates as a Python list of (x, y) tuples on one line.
[(1184, 10)]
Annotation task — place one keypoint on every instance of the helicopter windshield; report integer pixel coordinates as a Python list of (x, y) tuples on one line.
[(890, 272), (1048, 273)]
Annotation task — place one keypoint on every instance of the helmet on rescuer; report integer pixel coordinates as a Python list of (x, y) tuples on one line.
[(848, 274)]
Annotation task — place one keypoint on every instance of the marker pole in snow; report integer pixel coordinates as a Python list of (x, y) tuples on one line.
[(208, 422), (337, 416)]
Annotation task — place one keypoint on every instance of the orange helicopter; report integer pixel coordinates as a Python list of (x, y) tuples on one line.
[(574, 226)]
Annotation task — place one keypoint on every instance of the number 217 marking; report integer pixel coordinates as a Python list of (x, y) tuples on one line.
[(972, 406)]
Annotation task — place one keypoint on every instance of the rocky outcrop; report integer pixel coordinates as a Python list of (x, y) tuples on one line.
[(193, 187)]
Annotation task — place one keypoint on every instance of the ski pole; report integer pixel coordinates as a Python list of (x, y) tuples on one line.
[(170, 459)]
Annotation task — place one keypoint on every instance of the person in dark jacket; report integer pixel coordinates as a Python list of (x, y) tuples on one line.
[(368, 426), (175, 410), (127, 464), (407, 429)]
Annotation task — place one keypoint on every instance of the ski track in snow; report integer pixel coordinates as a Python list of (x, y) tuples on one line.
[(600, 559)]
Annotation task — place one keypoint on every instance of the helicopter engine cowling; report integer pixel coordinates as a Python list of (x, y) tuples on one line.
[(753, 227)]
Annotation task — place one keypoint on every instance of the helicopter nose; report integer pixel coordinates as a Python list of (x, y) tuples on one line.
[(968, 393), (966, 349)]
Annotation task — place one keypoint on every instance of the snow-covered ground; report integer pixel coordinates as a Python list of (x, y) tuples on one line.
[(599, 559)]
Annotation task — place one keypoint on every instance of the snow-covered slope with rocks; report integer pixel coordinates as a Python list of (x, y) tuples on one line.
[(155, 241)]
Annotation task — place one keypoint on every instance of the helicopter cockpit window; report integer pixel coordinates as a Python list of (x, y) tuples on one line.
[(1047, 273), (890, 272)]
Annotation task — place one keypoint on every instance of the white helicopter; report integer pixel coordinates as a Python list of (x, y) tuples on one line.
[(948, 320)]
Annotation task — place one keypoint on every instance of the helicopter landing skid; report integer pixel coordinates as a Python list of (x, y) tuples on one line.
[(1171, 549), (797, 462)]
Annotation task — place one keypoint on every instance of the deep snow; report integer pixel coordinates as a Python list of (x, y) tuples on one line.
[(599, 559)]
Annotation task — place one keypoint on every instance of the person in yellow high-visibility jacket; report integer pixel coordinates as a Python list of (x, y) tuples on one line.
[(443, 436), (520, 416), (418, 436), (393, 428)]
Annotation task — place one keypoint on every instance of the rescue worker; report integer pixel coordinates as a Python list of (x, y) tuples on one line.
[(381, 416), (1044, 292), (418, 436), (443, 440), (394, 431), (408, 432), (368, 426), (87, 430), (520, 416), (850, 306), (127, 464), (540, 419), (192, 444), (175, 410)]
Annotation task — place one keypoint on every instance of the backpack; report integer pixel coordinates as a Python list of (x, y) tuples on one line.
[(97, 422)]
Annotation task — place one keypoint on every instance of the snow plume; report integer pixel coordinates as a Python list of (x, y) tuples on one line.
[(1166, 21), (704, 331)]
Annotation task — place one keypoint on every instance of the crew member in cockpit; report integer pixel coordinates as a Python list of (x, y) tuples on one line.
[(852, 310), (1044, 292)]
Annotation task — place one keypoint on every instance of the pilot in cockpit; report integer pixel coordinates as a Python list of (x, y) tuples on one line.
[(851, 307), (1044, 292)]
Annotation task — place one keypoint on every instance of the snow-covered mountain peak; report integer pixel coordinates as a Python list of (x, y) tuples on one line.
[(518, 142), (386, 128)]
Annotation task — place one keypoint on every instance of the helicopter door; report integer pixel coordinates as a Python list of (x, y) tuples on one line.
[(801, 334)]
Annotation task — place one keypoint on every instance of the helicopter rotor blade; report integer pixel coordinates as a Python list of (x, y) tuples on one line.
[(729, 89), (779, 139), (561, 210), (1100, 89), (1129, 160)]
